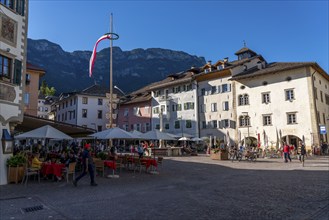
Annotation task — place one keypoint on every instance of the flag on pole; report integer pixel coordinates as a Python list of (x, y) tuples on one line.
[(93, 55)]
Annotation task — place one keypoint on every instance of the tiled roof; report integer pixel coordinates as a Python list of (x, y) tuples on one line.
[(244, 49), (98, 90), (272, 68), (30, 66)]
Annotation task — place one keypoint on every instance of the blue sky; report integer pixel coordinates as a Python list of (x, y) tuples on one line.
[(281, 31)]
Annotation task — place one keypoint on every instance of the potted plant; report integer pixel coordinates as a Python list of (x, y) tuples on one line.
[(16, 166)]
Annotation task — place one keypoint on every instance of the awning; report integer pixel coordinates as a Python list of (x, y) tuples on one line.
[(31, 122)]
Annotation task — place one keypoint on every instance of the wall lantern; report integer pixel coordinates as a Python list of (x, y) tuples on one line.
[(7, 142)]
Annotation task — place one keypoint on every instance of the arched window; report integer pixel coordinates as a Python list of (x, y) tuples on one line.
[(244, 121), (244, 99)]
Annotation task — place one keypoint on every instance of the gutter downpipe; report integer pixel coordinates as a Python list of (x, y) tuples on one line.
[(316, 112)]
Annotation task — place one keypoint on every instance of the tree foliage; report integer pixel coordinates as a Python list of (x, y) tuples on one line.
[(46, 90)]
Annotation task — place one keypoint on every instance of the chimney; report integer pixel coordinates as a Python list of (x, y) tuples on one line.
[(225, 59), (209, 62)]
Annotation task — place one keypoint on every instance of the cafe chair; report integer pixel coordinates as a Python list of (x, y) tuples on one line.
[(70, 171), (29, 171), (139, 164), (99, 166), (160, 160)]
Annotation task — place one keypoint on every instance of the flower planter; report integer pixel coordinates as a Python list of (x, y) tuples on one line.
[(219, 155), (15, 174)]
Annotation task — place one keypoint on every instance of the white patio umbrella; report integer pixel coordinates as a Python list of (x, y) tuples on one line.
[(137, 133), (196, 139), (228, 139), (114, 133), (184, 139), (156, 135), (47, 132)]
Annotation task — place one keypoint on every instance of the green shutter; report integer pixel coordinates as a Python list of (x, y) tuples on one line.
[(17, 72)]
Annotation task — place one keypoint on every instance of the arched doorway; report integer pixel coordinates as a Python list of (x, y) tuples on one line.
[(250, 141), (291, 140)]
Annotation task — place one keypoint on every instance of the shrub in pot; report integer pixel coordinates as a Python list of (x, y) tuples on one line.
[(16, 168)]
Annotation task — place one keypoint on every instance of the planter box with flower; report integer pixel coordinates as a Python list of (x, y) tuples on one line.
[(218, 153), (16, 166)]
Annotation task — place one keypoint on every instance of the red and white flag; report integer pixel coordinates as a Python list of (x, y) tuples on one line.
[(93, 55)]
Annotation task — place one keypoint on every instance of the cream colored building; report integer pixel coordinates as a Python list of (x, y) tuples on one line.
[(280, 101), (13, 38)]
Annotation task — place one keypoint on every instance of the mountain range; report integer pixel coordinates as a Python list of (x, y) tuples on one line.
[(68, 71)]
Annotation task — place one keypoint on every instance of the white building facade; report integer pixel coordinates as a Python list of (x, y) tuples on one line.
[(13, 38), (174, 108)]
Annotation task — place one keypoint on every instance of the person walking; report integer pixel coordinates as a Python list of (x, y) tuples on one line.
[(302, 151), (88, 166), (286, 151)]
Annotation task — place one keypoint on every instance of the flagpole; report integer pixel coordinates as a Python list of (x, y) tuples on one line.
[(111, 72)]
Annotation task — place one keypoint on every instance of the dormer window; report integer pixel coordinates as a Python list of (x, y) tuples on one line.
[(220, 67)]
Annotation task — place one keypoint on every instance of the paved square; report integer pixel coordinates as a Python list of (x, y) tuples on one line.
[(186, 188)]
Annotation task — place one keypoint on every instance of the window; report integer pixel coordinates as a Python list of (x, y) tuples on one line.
[(266, 98), (291, 118), (244, 99), (203, 91), (126, 112), (147, 127), (327, 99), (27, 79), (177, 125), (203, 108), (5, 66), (58, 117), (204, 125), (324, 118), (65, 116), (226, 123), (244, 121), (167, 126), (179, 107), (267, 120), (213, 107), (214, 123), (157, 126), (46, 109), (226, 88), (156, 110), (290, 94), (66, 104), (188, 105), (27, 98), (84, 113), (177, 89), (321, 96), (213, 89), (99, 128), (138, 127), (73, 114), (100, 114), (125, 127), (225, 106), (62, 116), (100, 101), (188, 124), (84, 100)]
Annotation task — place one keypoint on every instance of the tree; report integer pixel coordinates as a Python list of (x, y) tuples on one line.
[(46, 90)]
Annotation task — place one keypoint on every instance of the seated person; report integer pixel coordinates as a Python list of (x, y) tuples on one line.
[(187, 149), (140, 151), (70, 159), (36, 163)]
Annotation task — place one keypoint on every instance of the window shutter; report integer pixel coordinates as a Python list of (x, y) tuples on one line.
[(185, 106), (220, 124), (232, 124), (219, 89), (229, 87), (192, 105), (18, 72)]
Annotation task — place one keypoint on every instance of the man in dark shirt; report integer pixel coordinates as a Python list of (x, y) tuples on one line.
[(88, 165)]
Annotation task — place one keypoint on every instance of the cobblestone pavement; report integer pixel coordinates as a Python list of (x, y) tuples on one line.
[(185, 188)]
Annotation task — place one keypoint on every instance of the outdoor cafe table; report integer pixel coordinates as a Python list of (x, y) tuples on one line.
[(111, 164), (52, 168), (148, 162)]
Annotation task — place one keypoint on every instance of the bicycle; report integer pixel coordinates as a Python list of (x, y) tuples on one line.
[(235, 154)]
